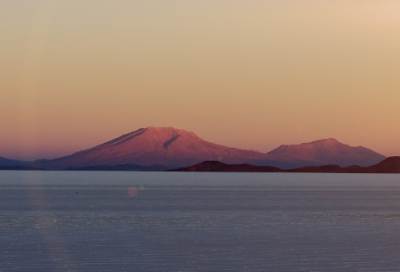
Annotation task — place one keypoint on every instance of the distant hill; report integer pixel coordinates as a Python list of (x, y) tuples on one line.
[(120, 167), (8, 162), (216, 166), (323, 152), (20, 167), (388, 166)]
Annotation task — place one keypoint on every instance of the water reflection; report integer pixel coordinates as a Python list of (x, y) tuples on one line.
[(132, 191)]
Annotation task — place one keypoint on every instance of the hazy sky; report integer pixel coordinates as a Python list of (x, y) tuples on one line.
[(247, 74)]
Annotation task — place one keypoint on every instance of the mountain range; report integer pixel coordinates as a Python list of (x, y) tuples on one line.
[(167, 148)]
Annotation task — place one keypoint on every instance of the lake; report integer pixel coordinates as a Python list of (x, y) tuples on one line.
[(165, 221)]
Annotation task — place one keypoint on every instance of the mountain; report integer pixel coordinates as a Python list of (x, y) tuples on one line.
[(165, 146), (324, 152)]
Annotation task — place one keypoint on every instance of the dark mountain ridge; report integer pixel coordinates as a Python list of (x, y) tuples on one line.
[(120, 167), (7, 162), (11, 163), (20, 167), (388, 166), (216, 166)]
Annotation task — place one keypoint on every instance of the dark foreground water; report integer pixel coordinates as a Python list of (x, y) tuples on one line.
[(119, 221)]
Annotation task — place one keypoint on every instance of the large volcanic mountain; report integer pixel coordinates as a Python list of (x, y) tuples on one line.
[(173, 148), (154, 146), (323, 152)]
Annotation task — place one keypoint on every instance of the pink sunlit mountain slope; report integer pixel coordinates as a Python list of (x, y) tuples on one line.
[(155, 146), (328, 151), (173, 148)]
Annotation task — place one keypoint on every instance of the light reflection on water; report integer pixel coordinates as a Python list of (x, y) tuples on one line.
[(132, 191)]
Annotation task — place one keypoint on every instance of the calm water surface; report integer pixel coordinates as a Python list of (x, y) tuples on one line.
[(143, 221)]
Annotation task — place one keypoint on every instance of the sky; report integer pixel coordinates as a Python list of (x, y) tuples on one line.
[(250, 74)]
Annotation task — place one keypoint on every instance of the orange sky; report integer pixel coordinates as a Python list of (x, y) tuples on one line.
[(249, 74)]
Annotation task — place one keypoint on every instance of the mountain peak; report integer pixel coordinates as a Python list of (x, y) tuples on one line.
[(329, 141), (324, 142), (168, 131), (161, 129)]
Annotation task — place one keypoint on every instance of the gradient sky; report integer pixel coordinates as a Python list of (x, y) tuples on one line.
[(248, 74)]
